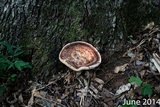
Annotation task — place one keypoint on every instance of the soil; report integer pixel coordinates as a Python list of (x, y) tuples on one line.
[(108, 85)]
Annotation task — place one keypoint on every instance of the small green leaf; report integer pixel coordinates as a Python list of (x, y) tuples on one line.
[(136, 80), (146, 89), (3, 66), (19, 64), (13, 77), (11, 65), (18, 51), (2, 89), (8, 46), (130, 36), (2, 58)]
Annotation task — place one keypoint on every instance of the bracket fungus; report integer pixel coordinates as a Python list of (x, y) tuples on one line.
[(79, 56)]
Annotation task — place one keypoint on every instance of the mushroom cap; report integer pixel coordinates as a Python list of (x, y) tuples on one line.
[(79, 56)]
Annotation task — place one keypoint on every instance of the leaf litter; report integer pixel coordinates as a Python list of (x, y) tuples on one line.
[(104, 87)]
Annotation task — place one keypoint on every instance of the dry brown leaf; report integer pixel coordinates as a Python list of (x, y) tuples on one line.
[(59, 100), (131, 94), (138, 62), (151, 65), (130, 54), (20, 98), (155, 61), (86, 83), (157, 58), (158, 35), (149, 26), (106, 93), (42, 93), (156, 40), (120, 68), (37, 94), (31, 100), (133, 41), (100, 87), (140, 56), (93, 94), (69, 78), (98, 80), (157, 88), (65, 94), (94, 89), (105, 105), (142, 73), (12, 101), (53, 104)]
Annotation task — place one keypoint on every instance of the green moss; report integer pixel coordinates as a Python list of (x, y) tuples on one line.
[(75, 30)]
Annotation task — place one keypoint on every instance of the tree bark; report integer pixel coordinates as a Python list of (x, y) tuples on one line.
[(43, 27)]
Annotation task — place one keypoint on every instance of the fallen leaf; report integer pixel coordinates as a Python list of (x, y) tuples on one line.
[(43, 93), (100, 87), (82, 93), (151, 65), (131, 93), (31, 100), (139, 56), (105, 105), (130, 54), (158, 35), (133, 41), (65, 94), (69, 78), (149, 26), (59, 100), (155, 61), (12, 101), (142, 72), (157, 88), (106, 93), (98, 80), (93, 89), (120, 68), (138, 62), (123, 88), (100, 83), (157, 58), (20, 98)]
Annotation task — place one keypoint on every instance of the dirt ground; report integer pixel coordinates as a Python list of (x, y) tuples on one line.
[(108, 85)]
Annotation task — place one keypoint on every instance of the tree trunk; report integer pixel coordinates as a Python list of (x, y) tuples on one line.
[(43, 27)]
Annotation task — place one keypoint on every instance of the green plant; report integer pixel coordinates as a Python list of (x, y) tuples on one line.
[(136, 80), (10, 63), (146, 89), (130, 36)]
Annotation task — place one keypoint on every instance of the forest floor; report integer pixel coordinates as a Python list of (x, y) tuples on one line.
[(130, 78)]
